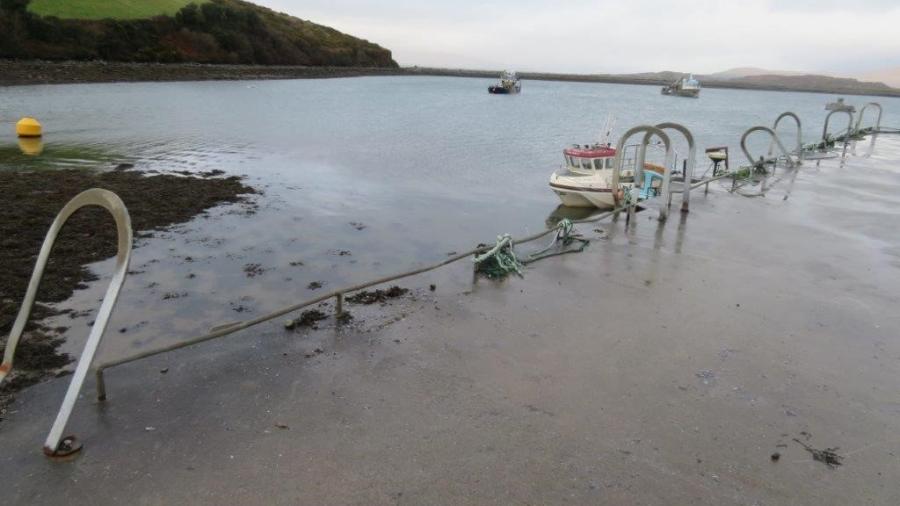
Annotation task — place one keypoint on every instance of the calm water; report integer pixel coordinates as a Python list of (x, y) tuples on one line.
[(429, 165)]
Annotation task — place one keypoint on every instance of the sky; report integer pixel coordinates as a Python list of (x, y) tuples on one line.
[(849, 37)]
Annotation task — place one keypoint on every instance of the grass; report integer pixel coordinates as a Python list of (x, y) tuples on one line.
[(101, 9)]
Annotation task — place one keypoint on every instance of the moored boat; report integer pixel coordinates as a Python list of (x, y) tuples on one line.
[(586, 179), (508, 84), (684, 87)]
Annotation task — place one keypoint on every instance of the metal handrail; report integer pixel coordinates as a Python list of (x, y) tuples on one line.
[(112, 203), (849, 128), (775, 139), (862, 113), (789, 114), (649, 131), (691, 161)]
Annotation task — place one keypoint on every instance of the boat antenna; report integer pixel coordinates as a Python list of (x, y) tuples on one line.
[(606, 134)]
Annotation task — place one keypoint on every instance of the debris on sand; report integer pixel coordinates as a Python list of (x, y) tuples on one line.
[(253, 270), (828, 456), (371, 297), (307, 319), (315, 285), (37, 356), (357, 225)]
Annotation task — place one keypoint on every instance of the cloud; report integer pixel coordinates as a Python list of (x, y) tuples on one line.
[(613, 36)]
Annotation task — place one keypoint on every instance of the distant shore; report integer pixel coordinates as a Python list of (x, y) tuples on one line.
[(21, 73)]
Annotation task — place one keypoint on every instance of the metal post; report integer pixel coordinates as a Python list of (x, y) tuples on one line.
[(339, 304)]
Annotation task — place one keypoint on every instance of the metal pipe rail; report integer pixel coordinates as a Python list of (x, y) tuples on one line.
[(112, 203), (338, 295)]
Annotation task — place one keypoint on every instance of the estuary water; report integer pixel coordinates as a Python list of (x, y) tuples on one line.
[(392, 171)]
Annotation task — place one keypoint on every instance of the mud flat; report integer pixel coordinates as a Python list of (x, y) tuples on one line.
[(666, 364), (31, 200)]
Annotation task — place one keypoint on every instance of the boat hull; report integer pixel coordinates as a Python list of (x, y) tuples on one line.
[(693, 93), (500, 90), (583, 197)]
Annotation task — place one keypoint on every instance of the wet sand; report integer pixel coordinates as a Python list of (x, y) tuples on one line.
[(666, 364)]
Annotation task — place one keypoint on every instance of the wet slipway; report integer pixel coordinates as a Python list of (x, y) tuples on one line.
[(666, 364)]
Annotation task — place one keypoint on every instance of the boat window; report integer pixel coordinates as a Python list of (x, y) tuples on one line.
[(598, 163), (609, 163), (570, 160), (586, 163)]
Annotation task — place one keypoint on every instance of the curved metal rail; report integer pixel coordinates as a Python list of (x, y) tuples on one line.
[(775, 139), (789, 114), (862, 112), (849, 128), (649, 131), (112, 203), (691, 162)]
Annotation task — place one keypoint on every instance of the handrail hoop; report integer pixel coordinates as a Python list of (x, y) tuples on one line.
[(112, 203)]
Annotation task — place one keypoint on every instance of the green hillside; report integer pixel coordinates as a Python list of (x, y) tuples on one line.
[(100, 9), (207, 31)]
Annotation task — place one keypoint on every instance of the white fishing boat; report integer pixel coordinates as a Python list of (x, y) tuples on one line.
[(684, 87), (509, 84), (586, 178)]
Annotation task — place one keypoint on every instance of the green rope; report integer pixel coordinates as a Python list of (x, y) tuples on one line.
[(501, 260)]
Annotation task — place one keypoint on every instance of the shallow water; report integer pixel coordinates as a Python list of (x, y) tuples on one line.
[(428, 165)]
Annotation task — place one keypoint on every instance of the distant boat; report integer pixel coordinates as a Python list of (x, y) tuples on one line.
[(684, 87), (509, 84)]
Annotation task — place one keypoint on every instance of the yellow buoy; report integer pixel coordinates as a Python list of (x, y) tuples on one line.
[(29, 127), (31, 146)]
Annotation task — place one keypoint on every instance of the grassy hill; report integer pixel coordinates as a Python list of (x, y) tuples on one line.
[(101, 9), (208, 31)]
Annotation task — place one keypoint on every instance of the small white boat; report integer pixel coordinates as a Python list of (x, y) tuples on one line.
[(586, 178)]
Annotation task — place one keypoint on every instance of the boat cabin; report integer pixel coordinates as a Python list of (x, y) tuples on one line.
[(587, 159)]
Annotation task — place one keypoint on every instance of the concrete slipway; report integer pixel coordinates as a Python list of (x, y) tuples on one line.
[(664, 365)]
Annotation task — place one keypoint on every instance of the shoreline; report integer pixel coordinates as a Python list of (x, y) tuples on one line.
[(31, 72)]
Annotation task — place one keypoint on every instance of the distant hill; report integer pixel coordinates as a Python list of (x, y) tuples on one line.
[(750, 78), (101, 9), (213, 31), (890, 76), (739, 72), (813, 83)]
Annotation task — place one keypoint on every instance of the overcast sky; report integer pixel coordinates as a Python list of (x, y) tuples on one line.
[(592, 36)]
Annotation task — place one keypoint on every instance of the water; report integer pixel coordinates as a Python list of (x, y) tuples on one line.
[(429, 165)]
